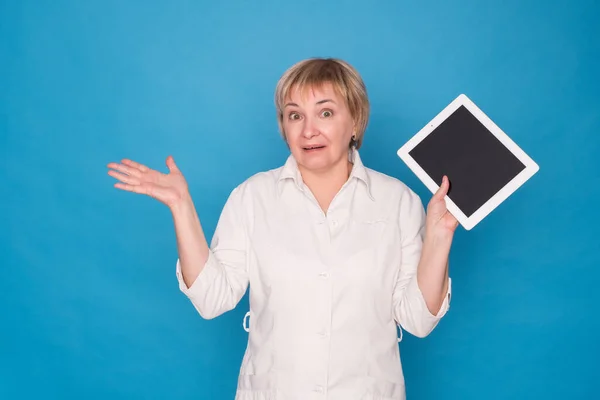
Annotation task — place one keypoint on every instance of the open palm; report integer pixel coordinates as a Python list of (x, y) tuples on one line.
[(134, 177)]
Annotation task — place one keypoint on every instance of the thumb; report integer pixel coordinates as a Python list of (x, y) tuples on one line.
[(171, 164), (443, 190)]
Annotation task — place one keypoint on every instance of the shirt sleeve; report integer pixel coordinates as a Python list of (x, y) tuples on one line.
[(224, 278), (410, 309)]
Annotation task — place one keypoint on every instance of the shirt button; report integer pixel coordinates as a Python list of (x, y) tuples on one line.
[(319, 389), (334, 222), (324, 274)]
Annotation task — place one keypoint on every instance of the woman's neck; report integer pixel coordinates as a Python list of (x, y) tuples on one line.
[(325, 184)]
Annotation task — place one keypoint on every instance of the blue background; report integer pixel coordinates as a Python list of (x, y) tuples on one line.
[(90, 304)]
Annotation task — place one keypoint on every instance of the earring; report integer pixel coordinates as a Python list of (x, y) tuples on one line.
[(353, 141)]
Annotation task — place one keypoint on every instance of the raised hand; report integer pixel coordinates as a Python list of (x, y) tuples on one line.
[(439, 220), (169, 189)]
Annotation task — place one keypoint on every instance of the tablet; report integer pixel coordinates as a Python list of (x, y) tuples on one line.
[(483, 164)]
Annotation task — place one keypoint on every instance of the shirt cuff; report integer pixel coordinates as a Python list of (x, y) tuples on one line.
[(445, 304)]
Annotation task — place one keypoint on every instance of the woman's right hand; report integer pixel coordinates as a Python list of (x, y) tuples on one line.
[(170, 189)]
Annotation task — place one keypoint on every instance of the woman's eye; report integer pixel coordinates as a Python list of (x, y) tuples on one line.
[(294, 116), (326, 113)]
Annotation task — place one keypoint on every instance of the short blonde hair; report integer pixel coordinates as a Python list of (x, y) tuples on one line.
[(315, 72)]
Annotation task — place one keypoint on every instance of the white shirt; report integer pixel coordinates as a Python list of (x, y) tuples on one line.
[(326, 290)]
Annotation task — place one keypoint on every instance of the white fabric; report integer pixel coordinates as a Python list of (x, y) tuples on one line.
[(326, 290)]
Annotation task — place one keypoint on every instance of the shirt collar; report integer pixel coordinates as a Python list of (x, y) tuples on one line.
[(359, 171), (290, 171)]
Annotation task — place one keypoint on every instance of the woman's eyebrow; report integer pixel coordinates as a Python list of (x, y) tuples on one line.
[(325, 101), (318, 103)]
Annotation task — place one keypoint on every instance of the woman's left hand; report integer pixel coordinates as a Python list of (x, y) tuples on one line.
[(439, 220)]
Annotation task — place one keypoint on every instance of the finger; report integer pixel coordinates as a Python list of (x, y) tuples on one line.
[(171, 164), (134, 164), (126, 169), (443, 189), (131, 180), (451, 220), (131, 188)]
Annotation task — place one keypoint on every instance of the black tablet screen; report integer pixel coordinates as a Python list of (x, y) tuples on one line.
[(476, 162)]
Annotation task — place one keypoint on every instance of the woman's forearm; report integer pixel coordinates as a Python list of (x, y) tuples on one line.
[(432, 272), (192, 246)]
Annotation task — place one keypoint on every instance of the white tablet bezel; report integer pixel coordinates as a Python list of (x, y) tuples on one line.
[(469, 222)]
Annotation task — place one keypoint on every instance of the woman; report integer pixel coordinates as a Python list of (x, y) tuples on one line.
[(336, 254)]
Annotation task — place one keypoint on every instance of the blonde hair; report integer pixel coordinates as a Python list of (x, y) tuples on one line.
[(315, 72)]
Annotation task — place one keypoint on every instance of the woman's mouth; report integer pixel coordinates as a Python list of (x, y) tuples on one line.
[(313, 148)]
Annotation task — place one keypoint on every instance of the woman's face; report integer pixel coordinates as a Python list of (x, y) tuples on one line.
[(318, 127)]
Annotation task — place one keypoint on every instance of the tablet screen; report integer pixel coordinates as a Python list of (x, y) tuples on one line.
[(476, 162)]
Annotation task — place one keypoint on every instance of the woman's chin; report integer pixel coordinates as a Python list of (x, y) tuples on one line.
[(316, 160), (313, 164)]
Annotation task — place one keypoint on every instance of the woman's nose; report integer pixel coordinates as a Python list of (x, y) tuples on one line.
[(310, 128)]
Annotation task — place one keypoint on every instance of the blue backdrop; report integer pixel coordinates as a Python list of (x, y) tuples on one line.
[(91, 307)]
